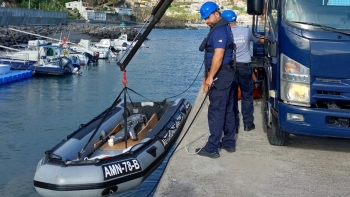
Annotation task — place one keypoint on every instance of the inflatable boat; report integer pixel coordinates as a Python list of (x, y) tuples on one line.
[(112, 153)]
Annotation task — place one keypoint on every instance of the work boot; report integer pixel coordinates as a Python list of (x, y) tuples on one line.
[(249, 128), (230, 150), (203, 152)]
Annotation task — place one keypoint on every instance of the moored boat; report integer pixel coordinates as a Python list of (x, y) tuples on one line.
[(107, 155), (85, 46), (44, 58)]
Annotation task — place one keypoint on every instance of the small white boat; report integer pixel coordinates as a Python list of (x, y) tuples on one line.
[(107, 44), (85, 46), (122, 42)]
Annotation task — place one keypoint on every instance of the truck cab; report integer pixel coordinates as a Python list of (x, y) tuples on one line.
[(306, 63)]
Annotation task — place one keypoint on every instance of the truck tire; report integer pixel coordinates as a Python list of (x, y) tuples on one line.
[(275, 135), (265, 106)]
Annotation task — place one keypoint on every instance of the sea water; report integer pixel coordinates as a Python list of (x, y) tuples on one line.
[(37, 113)]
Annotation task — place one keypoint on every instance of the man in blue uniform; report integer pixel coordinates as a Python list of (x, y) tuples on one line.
[(218, 46), (242, 37)]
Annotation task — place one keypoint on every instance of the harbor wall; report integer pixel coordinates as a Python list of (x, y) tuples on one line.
[(22, 16)]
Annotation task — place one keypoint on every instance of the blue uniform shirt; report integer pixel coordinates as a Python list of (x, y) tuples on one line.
[(220, 38)]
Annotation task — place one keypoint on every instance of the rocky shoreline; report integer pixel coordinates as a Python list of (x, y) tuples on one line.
[(73, 32), (76, 30)]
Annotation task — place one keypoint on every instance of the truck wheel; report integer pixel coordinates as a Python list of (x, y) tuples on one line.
[(264, 89), (275, 135), (265, 107)]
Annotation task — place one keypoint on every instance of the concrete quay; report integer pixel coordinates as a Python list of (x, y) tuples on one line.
[(306, 167)]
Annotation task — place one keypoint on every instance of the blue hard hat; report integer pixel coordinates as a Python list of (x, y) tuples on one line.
[(229, 15), (207, 9)]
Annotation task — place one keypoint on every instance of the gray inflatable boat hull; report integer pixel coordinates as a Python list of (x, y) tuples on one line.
[(105, 171)]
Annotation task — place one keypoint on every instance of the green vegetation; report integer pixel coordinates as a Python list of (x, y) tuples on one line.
[(44, 4), (241, 10), (177, 10)]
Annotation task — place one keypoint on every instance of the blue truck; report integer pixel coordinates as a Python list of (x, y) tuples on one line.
[(305, 62)]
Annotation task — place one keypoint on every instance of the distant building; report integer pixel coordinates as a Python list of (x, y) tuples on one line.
[(88, 12), (138, 4), (123, 11), (79, 5), (95, 15)]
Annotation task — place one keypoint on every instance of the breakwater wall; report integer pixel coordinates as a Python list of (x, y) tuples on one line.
[(21, 16), (73, 31)]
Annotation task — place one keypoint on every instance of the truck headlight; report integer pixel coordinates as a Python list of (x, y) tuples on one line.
[(295, 82)]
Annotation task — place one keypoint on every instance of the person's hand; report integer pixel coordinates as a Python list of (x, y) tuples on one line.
[(209, 82), (204, 86)]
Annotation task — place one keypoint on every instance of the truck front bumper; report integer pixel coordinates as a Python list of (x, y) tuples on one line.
[(317, 122)]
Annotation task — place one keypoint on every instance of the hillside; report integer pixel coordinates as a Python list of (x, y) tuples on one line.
[(20, 3), (139, 14), (55, 4)]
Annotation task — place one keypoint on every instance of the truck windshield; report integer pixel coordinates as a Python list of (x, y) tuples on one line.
[(325, 14)]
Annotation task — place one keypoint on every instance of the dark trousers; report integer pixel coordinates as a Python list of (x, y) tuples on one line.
[(221, 116), (245, 81)]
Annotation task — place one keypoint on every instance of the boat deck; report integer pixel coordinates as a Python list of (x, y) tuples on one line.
[(140, 135)]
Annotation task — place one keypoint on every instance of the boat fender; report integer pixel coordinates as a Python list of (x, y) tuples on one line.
[(147, 104)]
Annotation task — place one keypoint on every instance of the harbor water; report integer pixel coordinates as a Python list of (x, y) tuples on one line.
[(37, 113)]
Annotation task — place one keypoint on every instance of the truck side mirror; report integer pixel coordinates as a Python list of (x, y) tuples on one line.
[(255, 7)]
